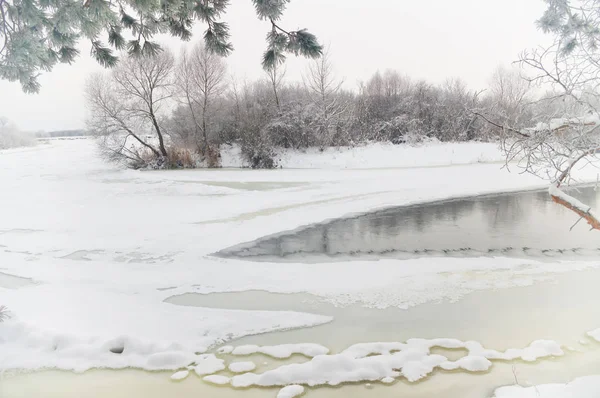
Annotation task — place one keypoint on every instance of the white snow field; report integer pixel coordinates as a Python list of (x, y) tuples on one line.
[(89, 252)]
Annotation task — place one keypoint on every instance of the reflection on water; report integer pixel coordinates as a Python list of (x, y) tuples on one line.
[(524, 223)]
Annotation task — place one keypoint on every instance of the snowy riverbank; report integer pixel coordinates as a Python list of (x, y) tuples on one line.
[(89, 252), (376, 156)]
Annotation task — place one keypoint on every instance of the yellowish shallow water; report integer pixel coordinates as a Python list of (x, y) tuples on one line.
[(562, 310)]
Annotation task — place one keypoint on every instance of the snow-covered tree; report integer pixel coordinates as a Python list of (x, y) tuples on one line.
[(275, 76), (566, 120), (509, 95), (325, 89), (35, 35), (200, 80)]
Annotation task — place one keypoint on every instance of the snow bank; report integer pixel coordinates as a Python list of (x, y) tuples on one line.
[(584, 387), (377, 155), (384, 361)]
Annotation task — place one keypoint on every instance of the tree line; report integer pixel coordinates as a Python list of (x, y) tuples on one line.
[(167, 111)]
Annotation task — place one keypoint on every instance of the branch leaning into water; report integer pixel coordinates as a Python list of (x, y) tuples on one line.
[(562, 198)]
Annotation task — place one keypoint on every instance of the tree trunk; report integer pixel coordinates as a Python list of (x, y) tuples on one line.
[(204, 132), (161, 142)]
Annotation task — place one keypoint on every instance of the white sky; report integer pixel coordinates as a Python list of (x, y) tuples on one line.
[(425, 39)]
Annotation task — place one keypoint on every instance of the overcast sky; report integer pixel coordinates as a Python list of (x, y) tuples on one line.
[(427, 39)]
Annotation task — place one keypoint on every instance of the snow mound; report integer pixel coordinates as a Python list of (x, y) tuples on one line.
[(180, 375), (242, 367), (388, 380), (208, 364), (290, 391), (470, 363), (595, 334), (378, 361), (225, 349), (282, 351), (584, 387), (216, 379)]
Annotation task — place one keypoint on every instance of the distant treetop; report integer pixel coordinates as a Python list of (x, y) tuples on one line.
[(37, 34)]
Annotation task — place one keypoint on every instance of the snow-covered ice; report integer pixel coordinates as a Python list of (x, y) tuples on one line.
[(283, 350), (584, 387), (412, 360), (99, 249)]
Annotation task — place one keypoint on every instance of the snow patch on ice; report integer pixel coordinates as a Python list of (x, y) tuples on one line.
[(471, 363), (584, 387), (216, 379), (207, 364), (377, 361), (290, 391), (242, 367), (595, 334), (225, 349), (282, 351), (180, 375)]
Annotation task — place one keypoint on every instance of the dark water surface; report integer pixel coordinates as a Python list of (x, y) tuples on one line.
[(512, 224)]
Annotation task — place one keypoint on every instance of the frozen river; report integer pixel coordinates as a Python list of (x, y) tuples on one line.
[(110, 268)]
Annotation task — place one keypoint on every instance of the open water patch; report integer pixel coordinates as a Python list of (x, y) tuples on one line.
[(522, 224)]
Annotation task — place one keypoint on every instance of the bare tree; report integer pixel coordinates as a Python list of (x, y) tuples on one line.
[(147, 83), (510, 93), (325, 88), (200, 80), (126, 106), (275, 76)]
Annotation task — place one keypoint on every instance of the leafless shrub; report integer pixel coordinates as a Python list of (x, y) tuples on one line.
[(12, 137)]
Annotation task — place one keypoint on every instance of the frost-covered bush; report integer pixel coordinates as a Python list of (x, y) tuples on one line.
[(258, 151), (4, 314), (11, 137)]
